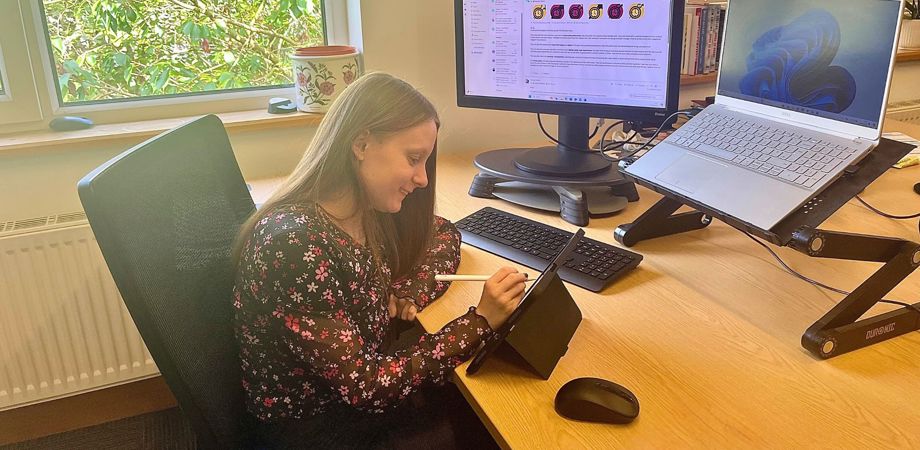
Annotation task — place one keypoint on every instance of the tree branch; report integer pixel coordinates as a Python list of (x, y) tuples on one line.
[(233, 21)]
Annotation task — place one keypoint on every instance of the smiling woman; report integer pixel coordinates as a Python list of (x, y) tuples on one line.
[(346, 247), (117, 50)]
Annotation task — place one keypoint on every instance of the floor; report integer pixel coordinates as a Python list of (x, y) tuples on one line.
[(158, 430)]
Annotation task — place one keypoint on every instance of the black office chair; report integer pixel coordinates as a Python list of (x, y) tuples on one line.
[(165, 214)]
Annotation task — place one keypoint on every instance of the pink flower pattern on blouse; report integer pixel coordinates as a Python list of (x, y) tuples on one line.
[(311, 315)]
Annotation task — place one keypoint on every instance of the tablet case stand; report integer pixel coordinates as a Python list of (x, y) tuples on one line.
[(840, 330), (542, 334)]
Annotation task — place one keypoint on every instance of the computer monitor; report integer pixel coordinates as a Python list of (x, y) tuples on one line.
[(575, 60)]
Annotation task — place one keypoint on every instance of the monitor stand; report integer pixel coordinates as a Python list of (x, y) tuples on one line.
[(579, 196)]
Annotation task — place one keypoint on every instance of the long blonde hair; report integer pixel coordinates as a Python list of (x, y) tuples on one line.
[(380, 104)]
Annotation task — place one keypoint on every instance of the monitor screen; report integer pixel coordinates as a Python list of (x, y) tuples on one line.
[(827, 58), (611, 60)]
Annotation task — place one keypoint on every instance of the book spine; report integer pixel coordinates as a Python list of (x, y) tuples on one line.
[(704, 29), (721, 35), (711, 39), (694, 40), (684, 66)]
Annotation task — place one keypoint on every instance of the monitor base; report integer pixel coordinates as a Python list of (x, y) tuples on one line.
[(553, 162), (577, 198)]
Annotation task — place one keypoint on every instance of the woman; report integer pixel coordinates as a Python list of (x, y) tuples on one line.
[(346, 245)]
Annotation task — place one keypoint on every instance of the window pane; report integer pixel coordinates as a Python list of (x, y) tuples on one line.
[(106, 50), (2, 88)]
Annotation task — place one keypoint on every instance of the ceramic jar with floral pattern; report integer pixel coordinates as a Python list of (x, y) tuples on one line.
[(322, 73)]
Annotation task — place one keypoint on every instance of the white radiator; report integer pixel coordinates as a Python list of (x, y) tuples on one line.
[(63, 326)]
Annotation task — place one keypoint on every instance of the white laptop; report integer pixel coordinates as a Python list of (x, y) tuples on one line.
[(801, 95)]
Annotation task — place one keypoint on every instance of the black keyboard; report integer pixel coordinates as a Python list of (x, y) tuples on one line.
[(533, 244)]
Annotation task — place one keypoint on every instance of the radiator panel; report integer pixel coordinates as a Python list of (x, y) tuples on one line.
[(63, 326)]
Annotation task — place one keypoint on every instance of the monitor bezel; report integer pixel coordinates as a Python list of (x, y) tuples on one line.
[(645, 115)]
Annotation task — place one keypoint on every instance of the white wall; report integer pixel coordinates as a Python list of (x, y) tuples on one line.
[(408, 38), (417, 44), (42, 181)]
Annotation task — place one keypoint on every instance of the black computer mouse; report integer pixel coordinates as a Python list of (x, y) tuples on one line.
[(596, 400)]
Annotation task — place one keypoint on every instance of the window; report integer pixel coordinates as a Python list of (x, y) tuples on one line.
[(123, 50), (128, 60)]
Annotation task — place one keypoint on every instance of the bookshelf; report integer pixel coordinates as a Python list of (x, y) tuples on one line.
[(689, 80), (908, 55)]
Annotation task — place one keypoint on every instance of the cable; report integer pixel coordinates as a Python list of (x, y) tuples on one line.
[(600, 123), (613, 145), (643, 146), (583, 150), (906, 305), (890, 216), (607, 130), (883, 214), (791, 270), (818, 283)]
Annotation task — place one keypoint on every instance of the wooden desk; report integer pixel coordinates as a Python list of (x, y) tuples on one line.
[(706, 333)]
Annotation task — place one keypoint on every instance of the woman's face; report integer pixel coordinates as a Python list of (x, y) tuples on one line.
[(392, 166)]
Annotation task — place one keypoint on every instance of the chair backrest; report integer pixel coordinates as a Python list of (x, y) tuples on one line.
[(165, 214)]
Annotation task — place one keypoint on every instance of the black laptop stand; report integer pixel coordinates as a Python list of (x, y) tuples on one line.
[(840, 330)]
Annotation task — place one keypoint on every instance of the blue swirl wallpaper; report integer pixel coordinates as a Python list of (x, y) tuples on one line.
[(826, 58)]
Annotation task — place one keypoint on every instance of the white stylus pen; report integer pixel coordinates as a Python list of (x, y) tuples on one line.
[(440, 277)]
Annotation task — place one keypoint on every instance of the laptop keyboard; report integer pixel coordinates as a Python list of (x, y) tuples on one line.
[(593, 265), (779, 153)]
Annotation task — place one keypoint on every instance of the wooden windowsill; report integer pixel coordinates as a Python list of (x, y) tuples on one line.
[(143, 129)]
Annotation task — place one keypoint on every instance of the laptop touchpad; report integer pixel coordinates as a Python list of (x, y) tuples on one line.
[(689, 172)]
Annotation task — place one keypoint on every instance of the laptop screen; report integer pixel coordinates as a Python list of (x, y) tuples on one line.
[(827, 58)]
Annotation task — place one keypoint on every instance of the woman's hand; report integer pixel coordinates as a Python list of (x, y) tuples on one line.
[(501, 295), (404, 308)]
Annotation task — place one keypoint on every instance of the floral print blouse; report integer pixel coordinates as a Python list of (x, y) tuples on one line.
[(311, 315)]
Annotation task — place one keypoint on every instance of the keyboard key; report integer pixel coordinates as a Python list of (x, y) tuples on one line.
[(715, 151), (789, 175), (779, 162)]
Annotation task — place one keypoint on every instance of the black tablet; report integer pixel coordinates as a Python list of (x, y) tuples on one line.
[(535, 289)]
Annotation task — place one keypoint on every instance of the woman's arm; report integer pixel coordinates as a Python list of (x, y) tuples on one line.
[(443, 257), (332, 350)]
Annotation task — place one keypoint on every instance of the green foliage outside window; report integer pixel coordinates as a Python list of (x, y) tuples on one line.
[(2, 89), (122, 49)]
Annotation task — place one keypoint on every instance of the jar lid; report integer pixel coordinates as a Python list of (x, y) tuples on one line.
[(325, 50)]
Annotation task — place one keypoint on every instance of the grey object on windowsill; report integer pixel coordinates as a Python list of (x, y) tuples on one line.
[(280, 105), (70, 123)]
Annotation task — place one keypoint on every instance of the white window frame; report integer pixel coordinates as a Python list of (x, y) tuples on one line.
[(4, 91), (44, 91), (19, 103)]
